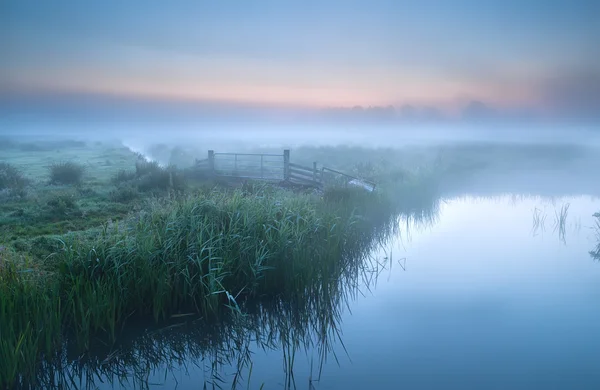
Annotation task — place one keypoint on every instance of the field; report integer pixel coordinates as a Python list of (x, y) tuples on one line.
[(94, 238)]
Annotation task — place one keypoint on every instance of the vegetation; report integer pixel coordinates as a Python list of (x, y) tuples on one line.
[(147, 243), (12, 181), (123, 176), (66, 173), (595, 253), (199, 253), (139, 242)]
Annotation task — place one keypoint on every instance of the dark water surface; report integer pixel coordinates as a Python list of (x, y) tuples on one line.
[(490, 293)]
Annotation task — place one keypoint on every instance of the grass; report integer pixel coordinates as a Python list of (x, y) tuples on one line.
[(123, 176), (29, 317), (66, 173), (42, 210), (128, 245), (539, 221), (142, 243), (560, 221), (595, 253), (202, 254), (12, 181), (86, 262), (261, 255)]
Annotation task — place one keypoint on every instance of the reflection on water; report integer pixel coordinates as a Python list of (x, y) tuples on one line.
[(595, 253), (471, 293)]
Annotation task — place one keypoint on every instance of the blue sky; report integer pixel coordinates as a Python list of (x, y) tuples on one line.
[(541, 56)]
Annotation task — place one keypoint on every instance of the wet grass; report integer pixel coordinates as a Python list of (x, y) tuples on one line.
[(12, 179), (136, 243), (272, 266), (202, 254), (539, 221), (85, 261), (560, 221)]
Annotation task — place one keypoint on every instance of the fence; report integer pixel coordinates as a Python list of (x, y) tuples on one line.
[(248, 165), (331, 175), (304, 175), (275, 167)]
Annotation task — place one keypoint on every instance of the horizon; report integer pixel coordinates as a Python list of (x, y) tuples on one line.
[(430, 61)]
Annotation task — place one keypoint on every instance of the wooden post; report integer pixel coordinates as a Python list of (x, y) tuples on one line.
[(315, 171), (211, 161), (286, 165)]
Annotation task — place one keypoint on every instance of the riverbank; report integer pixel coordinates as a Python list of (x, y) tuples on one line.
[(170, 250)]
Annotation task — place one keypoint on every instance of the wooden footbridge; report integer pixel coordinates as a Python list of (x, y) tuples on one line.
[(275, 167)]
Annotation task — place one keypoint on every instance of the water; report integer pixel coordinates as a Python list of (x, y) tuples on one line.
[(493, 293)]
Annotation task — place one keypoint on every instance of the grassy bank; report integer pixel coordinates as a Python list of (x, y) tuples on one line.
[(259, 256), (197, 254), (159, 247)]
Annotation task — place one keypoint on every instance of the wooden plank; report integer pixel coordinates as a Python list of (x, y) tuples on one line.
[(249, 154), (301, 167), (268, 178), (244, 165), (350, 176), (242, 172), (311, 174), (304, 178)]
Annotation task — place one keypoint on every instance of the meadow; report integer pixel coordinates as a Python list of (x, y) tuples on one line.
[(95, 237)]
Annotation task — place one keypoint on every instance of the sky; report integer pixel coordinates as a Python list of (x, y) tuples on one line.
[(461, 57)]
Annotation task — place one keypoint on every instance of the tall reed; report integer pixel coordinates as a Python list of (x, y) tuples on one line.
[(199, 254)]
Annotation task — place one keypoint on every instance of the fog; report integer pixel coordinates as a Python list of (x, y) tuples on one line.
[(570, 170), (315, 133), (274, 194)]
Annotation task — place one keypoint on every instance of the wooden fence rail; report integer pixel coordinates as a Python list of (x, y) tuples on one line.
[(267, 166), (354, 180)]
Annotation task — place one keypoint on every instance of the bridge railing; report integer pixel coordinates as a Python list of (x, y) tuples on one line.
[(277, 167), (262, 166), (304, 175)]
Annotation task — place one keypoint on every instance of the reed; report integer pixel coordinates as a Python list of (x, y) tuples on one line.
[(595, 253), (209, 254), (30, 319), (560, 221)]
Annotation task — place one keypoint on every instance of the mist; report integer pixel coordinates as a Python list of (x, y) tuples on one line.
[(299, 194)]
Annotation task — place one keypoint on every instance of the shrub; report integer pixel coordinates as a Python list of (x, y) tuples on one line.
[(11, 178), (124, 194), (144, 167), (123, 176), (12, 182), (62, 204), (66, 173), (162, 179)]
